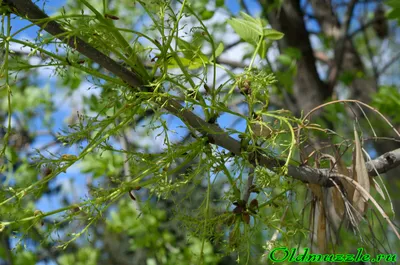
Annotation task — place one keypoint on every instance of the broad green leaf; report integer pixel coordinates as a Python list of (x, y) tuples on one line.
[(251, 29), (247, 30), (251, 19), (273, 34)]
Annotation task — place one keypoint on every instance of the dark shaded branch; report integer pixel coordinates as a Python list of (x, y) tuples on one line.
[(234, 64), (231, 45), (362, 28), (340, 47), (249, 184)]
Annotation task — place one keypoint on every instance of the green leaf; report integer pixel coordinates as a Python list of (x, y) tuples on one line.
[(273, 34), (189, 50), (393, 3), (251, 19), (197, 63), (219, 3), (247, 30), (394, 14), (347, 77), (219, 49), (107, 163), (294, 53), (207, 14), (251, 29), (193, 55), (191, 64), (285, 59), (263, 50), (25, 258)]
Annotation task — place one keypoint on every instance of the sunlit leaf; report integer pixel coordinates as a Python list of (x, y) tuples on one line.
[(273, 34), (249, 31)]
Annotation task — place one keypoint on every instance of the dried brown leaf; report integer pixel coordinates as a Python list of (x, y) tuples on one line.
[(342, 169), (316, 190), (360, 175), (337, 194), (246, 218), (338, 202)]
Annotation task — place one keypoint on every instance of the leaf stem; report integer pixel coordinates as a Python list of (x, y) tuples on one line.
[(260, 41)]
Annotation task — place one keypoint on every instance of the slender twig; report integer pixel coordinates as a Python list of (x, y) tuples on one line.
[(362, 28), (389, 64), (234, 64), (233, 44)]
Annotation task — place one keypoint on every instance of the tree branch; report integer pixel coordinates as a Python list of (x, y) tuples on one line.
[(215, 134), (307, 83), (360, 87), (340, 48)]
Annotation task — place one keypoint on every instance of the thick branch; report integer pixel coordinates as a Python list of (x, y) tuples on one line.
[(350, 60), (340, 49), (307, 83), (216, 135)]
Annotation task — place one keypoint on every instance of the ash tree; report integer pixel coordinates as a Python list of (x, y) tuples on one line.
[(177, 152)]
